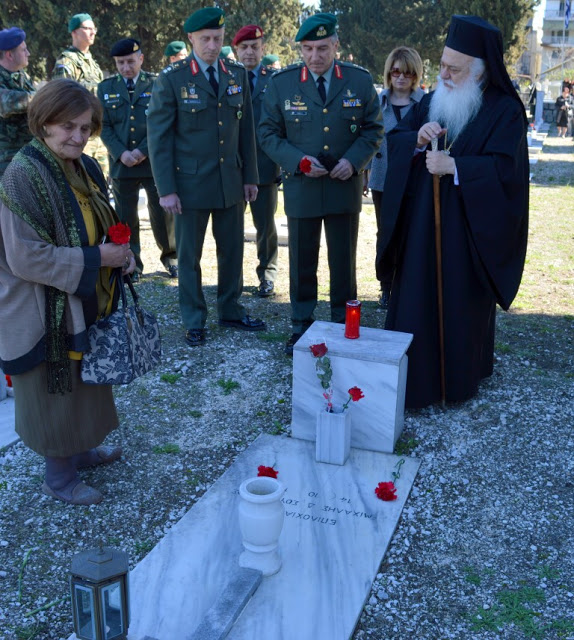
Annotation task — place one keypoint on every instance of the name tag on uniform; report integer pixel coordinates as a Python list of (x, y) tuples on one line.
[(234, 89), (352, 102)]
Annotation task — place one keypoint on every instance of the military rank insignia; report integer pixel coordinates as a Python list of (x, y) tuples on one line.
[(189, 94), (295, 105)]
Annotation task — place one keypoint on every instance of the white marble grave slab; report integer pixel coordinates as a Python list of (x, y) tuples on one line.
[(8, 435), (335, 535), (376, 363)]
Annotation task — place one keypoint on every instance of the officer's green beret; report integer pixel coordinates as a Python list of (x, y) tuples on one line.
[(125, 47), (317, 27), (225, 51), (206, 18), (269, 59), (76, 21), (173, 48)]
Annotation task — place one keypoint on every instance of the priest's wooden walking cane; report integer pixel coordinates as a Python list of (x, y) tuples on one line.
[(438, 246)]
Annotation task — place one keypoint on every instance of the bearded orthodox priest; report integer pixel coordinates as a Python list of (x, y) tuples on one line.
[(482, 160)]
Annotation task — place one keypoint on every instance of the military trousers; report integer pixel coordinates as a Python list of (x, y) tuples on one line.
[(126, 197), (263, 212), (227, 228), (341, 233)]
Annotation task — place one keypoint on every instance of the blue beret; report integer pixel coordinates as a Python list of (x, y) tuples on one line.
[(76, 21), (206, 18), (11, 38)]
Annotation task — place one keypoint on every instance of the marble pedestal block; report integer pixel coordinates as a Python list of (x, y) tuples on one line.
[(335, 534), (376, 363)]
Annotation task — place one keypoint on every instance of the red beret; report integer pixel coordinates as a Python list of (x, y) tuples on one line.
[(249, 32)]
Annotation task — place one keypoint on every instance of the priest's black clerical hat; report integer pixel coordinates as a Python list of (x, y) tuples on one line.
[(478, 38)]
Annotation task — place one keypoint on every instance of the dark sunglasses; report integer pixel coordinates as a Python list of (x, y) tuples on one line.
[(397, 72)]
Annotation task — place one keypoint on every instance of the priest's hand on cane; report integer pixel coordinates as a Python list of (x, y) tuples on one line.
[(440, 163), (429, 131)]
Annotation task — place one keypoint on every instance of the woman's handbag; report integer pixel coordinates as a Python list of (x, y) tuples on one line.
[(124, 345)]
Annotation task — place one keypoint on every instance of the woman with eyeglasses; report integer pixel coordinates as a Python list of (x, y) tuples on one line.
[(403, 72)]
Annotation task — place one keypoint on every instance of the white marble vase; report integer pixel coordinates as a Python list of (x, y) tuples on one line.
[(261, 516), (333, 440)]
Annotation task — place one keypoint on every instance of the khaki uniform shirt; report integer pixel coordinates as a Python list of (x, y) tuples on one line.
[(79, 66)]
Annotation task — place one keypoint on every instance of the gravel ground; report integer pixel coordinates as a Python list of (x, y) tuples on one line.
[(484, 548)]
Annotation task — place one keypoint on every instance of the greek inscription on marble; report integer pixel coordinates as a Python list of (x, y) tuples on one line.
[(307, 516)]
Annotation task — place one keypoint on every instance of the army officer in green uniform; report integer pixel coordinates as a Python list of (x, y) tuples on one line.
[(321, 122), (125, 98), (76, 62), (248, 43), (16, 91), (202, 150)]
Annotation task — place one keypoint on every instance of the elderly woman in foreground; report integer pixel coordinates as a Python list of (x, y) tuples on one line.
[(55, 281)]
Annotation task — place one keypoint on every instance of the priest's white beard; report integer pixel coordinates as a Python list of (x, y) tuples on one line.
[(454, 108)]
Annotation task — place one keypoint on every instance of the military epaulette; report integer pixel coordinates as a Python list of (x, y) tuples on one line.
[(230, 62), (174, 66), (148, 75), (352, 65), (109, 79), (291, 67)]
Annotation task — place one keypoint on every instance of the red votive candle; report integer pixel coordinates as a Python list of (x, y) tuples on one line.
[(353, 319)]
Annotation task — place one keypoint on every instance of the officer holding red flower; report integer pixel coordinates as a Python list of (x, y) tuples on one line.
[(321, 123)]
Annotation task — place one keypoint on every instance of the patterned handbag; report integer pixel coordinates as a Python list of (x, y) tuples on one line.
[(124, 345)]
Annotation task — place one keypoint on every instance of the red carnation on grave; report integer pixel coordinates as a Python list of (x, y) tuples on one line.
[(318, 350), (305, 165), (268, 472), (356, 394), (386, 491), (120, 233)]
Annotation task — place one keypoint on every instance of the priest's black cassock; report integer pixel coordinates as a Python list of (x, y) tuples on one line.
[(484, 235)]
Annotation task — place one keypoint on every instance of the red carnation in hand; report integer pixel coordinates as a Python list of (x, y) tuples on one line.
[(268, 472), (356, 394), (305, 165), (386, 491), (120, 233), (318, 350)]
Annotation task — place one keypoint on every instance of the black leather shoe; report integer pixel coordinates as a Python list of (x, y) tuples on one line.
[(384, 299), (173, 270), (266, 289), (195, 337), (246, 324), (291, 343)]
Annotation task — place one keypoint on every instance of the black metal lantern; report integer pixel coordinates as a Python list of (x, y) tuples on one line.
[(99, 584)]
